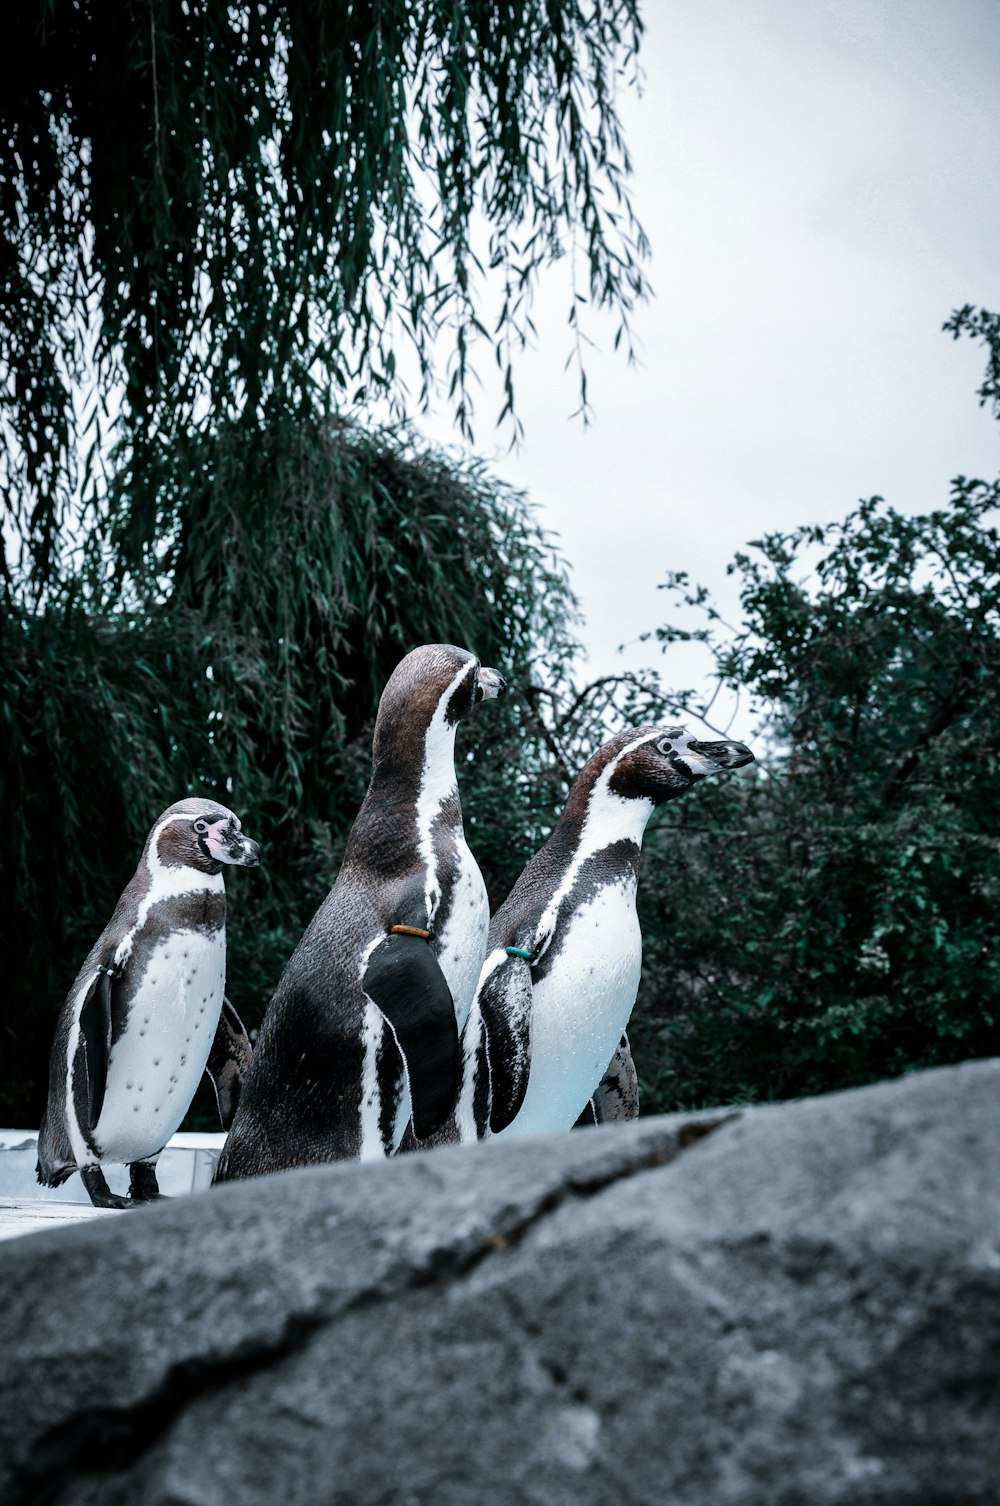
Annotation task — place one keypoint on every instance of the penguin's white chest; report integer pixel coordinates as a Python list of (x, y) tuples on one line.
[(159, 1058), (580, 1009), (461, 942)]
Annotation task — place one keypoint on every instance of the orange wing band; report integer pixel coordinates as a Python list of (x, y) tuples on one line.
[(409, 931)]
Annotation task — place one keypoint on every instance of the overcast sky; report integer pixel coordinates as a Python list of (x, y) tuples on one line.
[(819, 183)]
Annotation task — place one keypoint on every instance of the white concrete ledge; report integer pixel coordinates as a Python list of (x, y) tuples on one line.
[(186, 1165)]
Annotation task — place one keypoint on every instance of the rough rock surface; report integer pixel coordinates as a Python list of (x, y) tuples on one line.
[(797, 1305)]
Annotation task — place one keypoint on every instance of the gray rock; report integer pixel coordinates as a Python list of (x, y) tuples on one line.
[(797, 1306)]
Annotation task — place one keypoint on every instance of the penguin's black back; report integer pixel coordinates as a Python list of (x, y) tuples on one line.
[(302, 1098)]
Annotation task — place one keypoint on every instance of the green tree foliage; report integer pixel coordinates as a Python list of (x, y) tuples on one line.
[(219, 215), (831, 917), (223, 229), (303, 571)]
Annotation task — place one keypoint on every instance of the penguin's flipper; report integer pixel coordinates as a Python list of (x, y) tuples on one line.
[(617, 1094), (95, 1029), (505, 1002), (404, 981), (229, 1062)]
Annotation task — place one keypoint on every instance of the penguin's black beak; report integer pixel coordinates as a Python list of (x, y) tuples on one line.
[(493, 684), (724, 755), (251, 853), (233, 847)]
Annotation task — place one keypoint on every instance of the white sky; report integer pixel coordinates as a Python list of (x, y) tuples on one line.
[(819, 183)]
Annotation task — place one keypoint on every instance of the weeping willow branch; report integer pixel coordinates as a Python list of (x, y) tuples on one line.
[(269, 205)]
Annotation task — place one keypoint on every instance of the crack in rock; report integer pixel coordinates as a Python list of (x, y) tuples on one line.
[(111, 1438), (449, 1263)]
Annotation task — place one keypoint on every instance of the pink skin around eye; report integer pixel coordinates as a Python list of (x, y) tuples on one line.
[(213, 843)]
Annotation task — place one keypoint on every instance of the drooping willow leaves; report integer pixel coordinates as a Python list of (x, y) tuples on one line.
[(305, 564), (218, 213)]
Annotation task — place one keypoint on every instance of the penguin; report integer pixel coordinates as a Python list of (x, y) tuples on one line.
[(360, 1038), (565, 949), (147, 1015)]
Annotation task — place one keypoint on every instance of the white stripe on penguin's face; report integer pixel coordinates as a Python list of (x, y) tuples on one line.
[(610, 818), (166, 881), (166, 878), (437, 784)]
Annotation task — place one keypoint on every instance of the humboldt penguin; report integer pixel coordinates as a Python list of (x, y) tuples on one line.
[(360, 1040), (147, 1014), (565, 949)]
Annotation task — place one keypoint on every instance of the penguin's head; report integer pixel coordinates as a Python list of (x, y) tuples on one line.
[(436, 683), (202, 834), (660, 763)]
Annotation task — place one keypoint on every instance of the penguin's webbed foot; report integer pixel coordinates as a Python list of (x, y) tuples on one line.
[(143, 1187), (98, 1191)]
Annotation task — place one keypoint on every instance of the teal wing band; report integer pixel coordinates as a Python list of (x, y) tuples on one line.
[(516, 951)]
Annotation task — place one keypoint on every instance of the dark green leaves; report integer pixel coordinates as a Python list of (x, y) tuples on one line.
[(984, 326), (299, 565), (831, 917), (214, 214)]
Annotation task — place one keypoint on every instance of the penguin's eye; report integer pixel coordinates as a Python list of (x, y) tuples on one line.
[(664, 746), (201, 827)]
